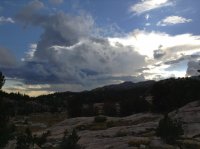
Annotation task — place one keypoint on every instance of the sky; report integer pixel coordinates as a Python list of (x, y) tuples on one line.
[(51, 46)]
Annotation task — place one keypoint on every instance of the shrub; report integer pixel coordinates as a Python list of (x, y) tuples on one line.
[(169, 130), (25, 140), (41, 139), (71, 141), (6, 133), (100, 119)]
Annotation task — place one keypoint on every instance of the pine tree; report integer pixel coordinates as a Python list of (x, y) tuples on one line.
[(169, 130), (70, 142), (2, 80)]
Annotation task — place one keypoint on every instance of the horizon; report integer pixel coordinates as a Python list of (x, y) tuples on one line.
[(98, 87), (66, 45)]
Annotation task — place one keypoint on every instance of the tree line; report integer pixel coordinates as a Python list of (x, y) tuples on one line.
[(167, 95)]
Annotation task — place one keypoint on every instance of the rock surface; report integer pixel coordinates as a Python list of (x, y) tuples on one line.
[(137, 127), (190, 116), (132, 132)]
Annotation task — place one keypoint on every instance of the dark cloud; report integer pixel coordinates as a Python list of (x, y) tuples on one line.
[(82, 63), (59, 29), (193, 67), (69, 51), (142, 69), (7, 58), (28, 12), (157, 54), (195, 56), (182, 58), (171, 62), (63, 30)]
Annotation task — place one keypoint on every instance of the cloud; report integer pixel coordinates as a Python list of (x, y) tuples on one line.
[(175, 61), (32, 6), (30, 53), (6, 20), (90, 61), (193, 67), (29, 11), (183, 58), (161, 50), (147, 24), (172, 20), (31, 90), (56, 2), (146, 42), (70, 51), (147, 16), (158, 53), (148, 5), (7, 58)]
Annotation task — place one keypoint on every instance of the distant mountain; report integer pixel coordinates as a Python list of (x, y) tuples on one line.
[(125, 86), (168, 94)]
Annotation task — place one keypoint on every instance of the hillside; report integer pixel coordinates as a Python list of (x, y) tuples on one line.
[(132, 112), (135, 131), (125, 86), (165, 96)]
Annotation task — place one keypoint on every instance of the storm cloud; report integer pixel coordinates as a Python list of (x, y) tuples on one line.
[(7, 58), (193, 67), (71, 51)]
